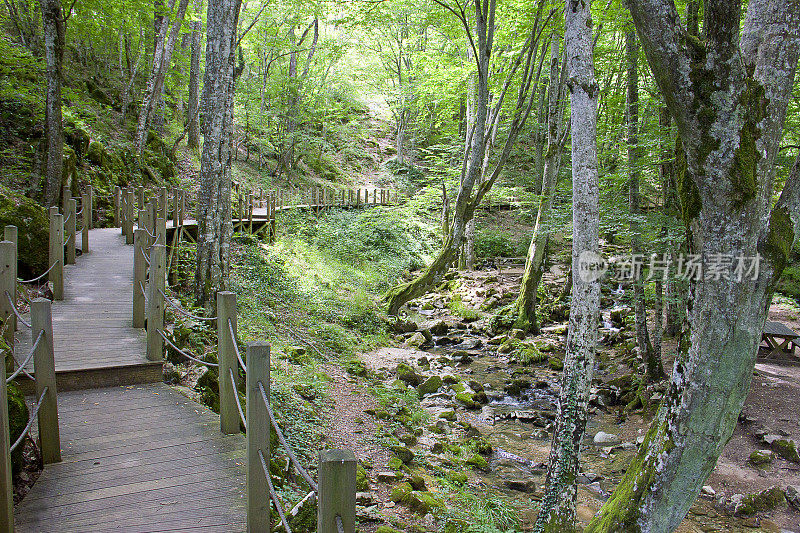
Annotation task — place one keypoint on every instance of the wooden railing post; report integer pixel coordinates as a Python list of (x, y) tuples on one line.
[(6, 485), (129, 211), (11, 234), (8, 281), (141, 241), (155, 302), (258, 430), (226, 354), (337, 491), (175, 206), (140, 197), (70, 227), (161, 230), (90, 203), (117, 199), (182, 213), (163, 203), (250, 212), (56, 255), (86, 221), (44, 363)]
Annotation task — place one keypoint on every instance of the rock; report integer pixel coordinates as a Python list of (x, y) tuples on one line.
[(556, 363), (589, 477), (171, 374), (761, 457), (602, 438), (408, 375), (438, 328), (545, 345), (448, 415), (388, 477), (403, 326), (527, 486), (470, 344), (422, 502), (33, 229), (417, 482), (458, 478), (793, 495), (296, 355), (467, 400), (403, 453), (517, 334), (505, 348), (430, 385), (618, 316), (784, 447), (708, 492), (98, 94), (479, 462), (497, 340), (765, 500), (416, 340), (516, 387)]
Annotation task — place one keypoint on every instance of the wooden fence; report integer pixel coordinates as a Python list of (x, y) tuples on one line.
[(45, 410)]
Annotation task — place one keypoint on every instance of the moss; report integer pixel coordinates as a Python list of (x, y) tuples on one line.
[(746, 156), (403, 453), (766, 500), (787, 449), (457, 478), (777, 247), (17, 420), (467, 400), (478, 461), (96, 153), (362, 480), (430, 385), (408, 375), (33, 231)]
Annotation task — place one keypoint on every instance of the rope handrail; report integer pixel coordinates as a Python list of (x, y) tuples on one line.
[(236, 345), (28, 374), (67, 219), (37, 278), (282, 439), (79, 212), (236, 397), (67, 239), (339, 525), (144, 292), (16, 311), (30, 421), (274, 495), (184, 311), (186, 355), (151, 235), (27, 360), (144, 254)]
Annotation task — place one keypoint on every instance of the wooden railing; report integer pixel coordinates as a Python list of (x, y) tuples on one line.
[(45, 410)]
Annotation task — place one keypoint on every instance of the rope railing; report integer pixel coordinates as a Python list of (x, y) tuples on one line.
[(37, 278), (236, 345), (273, 494), (183, 311), (144, 254), (186, 355), (16, 311), (339, 525), (303, 472), (31, 418), (236, 397), (23, 364)]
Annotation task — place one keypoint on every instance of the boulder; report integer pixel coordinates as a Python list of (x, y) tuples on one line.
[(403, 453), (793, 495), (527, 486), (438, 327), (416, 340), (766, 500), (761, 457), (403, 326), (430, 385), (783, 446), (478, 462), (408, 375), (602, 438), (33, 229)]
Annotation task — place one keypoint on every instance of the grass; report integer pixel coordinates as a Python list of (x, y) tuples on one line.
[(470, 511)]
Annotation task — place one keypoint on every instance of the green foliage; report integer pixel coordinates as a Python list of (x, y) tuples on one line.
[(469, 511), (489, 242)]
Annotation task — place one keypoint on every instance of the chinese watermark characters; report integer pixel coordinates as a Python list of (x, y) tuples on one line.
[(691, 267)]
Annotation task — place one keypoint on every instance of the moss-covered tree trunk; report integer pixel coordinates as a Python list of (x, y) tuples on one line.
[(53, 29), (193, 113), (557, 513), (524, 310), (728, 94), (214, 227)]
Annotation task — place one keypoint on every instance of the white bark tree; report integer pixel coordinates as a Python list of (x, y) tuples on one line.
[(557, 513), (727, 91), (54, 31)]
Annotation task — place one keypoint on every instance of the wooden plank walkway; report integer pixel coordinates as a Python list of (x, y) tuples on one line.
[(95, 343), (139, 457)]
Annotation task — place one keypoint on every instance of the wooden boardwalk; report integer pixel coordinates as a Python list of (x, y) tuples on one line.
[(136, 458)]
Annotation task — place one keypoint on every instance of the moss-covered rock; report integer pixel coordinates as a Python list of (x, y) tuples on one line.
[(362, 479), (787, 449), (296, 355), (467, 400), (448, 415), (761, 457), (430, 385), (403, 453), (422, 502), (96, 153), (17, 420), (408, 375), (457, 478), (478, 461), (208, 387), (556, 363), (33, 227), (766, 500)]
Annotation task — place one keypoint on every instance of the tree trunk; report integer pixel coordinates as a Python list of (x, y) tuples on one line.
[(214, 196), (53, 26), (193, 116), (728, 95), (126, 93), (653, 368), (524, 310), (557, 513), (445, 212), (153, 100)]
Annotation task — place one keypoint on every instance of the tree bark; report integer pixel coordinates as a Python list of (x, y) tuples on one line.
[(214, 196), (126, 93), (53, 27), (557, 512), (728, 96), (524, 309), (193, 139), (653, 368), (153, 96)]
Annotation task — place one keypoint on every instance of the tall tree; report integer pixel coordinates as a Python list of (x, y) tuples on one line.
[(53, 25), (214, 197), (476, 176), (524, 309), (654, 369), (193, 118), (557, 513), (727, 92), (161, 61)]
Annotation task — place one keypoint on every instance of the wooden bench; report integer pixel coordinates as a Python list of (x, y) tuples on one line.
[(778, 340)]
